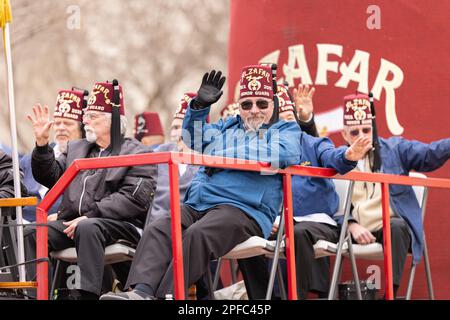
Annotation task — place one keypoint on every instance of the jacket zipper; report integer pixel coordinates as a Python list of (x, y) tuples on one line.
[(138, 185), (84, 187), (82, 194)]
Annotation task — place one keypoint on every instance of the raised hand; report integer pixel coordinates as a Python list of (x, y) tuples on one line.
[(41, 124), (358, 149), (303, 97), (210, 89)]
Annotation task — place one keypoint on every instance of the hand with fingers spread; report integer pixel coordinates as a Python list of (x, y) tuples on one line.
[(210, 90), (41, 124), (360, 234), (72, 225), (303, 97), (358, 149)]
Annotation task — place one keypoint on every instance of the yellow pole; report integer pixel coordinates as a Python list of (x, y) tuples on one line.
[(5, 19)]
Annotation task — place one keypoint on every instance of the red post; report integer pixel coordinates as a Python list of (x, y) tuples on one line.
[(387, 241), (290, 248), (41, 252), (177, 247)]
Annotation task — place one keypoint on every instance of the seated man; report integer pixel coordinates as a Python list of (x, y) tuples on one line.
[(398, 156), (68, 117), (315, 202), (219, 211), (100, 206)]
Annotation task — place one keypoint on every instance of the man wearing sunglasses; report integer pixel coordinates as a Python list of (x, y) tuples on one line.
[(398, 156), (226, 207), (314, 202)]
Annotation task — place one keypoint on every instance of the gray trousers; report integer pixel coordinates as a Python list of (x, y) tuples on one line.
[(91, 237), (207, 236), (312, 274)]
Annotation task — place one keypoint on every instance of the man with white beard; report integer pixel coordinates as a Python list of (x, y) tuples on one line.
[(67, 126), (100, 206)]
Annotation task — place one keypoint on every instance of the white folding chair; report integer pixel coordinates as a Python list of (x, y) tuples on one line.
[(120, 251), (373, 251)]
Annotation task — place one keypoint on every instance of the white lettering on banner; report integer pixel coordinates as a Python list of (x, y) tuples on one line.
[(360, 60), (323, 64), (389, 77), (291, 72), (386, 68)]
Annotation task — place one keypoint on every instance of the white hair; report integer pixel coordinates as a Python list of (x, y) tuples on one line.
[(123, 122)]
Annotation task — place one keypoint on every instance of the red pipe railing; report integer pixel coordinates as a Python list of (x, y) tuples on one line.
[(173, 158)]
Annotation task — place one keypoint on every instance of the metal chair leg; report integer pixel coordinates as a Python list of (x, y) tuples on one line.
[(427, 273), (354, 268), (275, 263), (217, 275), (428, 270), (337, 270), (281, 284), (55, 277), (410, 282), (273, 271), (339, 275)]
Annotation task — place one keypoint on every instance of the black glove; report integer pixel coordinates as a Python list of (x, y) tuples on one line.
[(210, 90)]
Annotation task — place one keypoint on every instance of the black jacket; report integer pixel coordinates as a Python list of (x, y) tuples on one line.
[(117, 193), (7, 177)]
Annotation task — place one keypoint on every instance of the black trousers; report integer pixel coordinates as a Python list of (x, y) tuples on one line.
[(91, 237), (207, 235), (400, 244), (312, 274)]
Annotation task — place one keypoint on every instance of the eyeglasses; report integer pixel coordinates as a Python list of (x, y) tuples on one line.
[(248, 104), (355, 132), (92, 116)]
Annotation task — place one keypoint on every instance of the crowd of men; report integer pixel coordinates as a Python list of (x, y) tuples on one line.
[(220, 207)]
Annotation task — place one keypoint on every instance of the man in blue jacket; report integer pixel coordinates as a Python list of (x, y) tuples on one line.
[(222, 207), (398, 156), (314, 202)]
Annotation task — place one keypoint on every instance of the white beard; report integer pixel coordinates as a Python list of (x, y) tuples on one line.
[(253, 124), (91, 136), (62, 146)]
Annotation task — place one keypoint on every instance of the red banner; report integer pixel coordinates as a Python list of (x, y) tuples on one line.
[(398, 50)]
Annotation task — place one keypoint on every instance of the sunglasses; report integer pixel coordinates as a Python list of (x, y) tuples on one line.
[(248, 104), (356, 131)]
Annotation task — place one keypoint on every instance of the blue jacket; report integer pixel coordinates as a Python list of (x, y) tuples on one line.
[(258, 195), (318, 195), (399, 156)]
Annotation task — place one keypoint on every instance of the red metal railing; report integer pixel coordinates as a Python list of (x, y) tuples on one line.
[(173, 158)]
